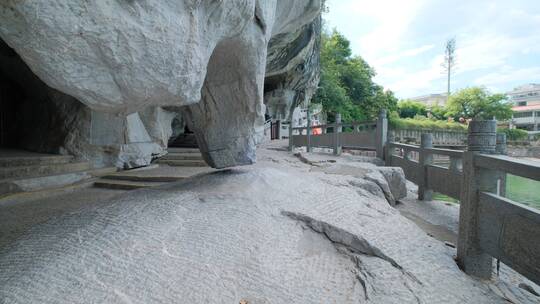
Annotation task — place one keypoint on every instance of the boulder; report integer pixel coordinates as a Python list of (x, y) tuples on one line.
[(390, 180), (268, 233), (123, 56), (395, 177)]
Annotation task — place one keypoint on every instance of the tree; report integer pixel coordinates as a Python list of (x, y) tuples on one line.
[(449, 61), (479, 103), (409, 109), (346, 84), (438, 112)]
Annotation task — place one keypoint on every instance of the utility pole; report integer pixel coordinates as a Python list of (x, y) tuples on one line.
[(449, 61)]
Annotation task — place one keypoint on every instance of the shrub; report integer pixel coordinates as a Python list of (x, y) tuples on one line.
[(422, 123), (513, 134), (409, 109)]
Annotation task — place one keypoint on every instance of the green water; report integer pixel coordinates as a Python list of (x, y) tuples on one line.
[(521, 190)]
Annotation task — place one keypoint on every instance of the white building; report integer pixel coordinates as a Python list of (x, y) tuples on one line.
[(526, 101), (431, 99)]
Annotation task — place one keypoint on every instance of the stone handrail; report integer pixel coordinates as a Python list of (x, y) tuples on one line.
[(452, 138), (490, 225), (494, 226), (428, 176), (369, 135)]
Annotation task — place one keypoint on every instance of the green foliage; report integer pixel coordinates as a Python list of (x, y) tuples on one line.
[(513, 134), (439, 112), (479, 103), (409, 109), (423, 123), (346, 84)]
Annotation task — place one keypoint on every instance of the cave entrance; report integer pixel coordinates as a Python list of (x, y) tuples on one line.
[(28, 119), (10, 96), (183, 136)]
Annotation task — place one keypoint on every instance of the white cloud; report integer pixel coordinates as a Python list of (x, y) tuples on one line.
[(403, 54), (492, 36), (509, 75), (388, 22), (411, 83), (492, 50)]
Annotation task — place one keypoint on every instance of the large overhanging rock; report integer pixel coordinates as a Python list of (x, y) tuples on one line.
[(121, 56), (292, 69), (43, 119)]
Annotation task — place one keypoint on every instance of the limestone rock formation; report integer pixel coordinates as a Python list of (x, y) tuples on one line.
[(271, 233), (42, 119), (374, 177), (123, 56), (292, 69)]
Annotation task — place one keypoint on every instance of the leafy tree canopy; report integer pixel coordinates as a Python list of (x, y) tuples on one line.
[(439, 112), (346, 84), (409, 109), (479, 103)]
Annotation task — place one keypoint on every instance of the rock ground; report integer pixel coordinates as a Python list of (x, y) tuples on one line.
[(275, 232), (440, 220)]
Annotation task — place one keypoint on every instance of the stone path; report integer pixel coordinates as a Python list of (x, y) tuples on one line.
[(275, 232)]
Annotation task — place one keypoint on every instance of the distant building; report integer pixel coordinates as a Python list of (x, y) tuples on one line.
[(431, 99), (526, 101)]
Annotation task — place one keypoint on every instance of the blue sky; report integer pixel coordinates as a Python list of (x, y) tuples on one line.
[(498, 41)]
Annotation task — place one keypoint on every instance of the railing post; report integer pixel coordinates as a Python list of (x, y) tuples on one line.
[(481, 139), (381, 134), (388, 151), (291, 143), (337, 130), (501, 149), (308, 130), (424, 158), (501, 144)]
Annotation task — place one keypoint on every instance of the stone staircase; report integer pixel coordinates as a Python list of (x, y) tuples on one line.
[(178, 164), (22, 171), (183, 157), (132, 179)]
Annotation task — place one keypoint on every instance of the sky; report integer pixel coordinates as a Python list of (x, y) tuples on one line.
[(498, 41)]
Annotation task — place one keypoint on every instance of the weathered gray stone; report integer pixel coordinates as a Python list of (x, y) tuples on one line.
[(121, 57), (263, 234), (391, 180), (395, 177), (46, 120)]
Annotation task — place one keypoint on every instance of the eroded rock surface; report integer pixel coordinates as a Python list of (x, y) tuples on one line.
[(292, 70), (271, 233), (390, 181), (123, 56)]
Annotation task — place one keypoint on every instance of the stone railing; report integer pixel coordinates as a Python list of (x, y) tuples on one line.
[(490, 225), (422, 170), (449, 138), (370, 135)]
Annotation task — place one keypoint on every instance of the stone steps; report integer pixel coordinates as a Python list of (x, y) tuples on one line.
[(38, 170), (138, 178), (36, 183), (183, 150), (182, 163), (188, 158), (17, 161), (124, 184), (182, 156)]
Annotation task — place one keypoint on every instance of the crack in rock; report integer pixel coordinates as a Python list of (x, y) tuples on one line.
[(353, 243)]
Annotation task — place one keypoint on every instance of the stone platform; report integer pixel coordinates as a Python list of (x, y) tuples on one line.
[(275, 232)]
